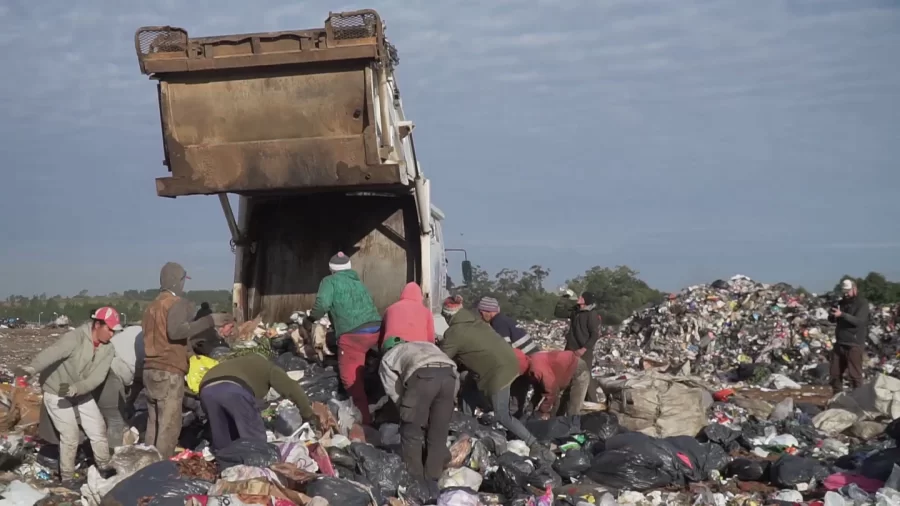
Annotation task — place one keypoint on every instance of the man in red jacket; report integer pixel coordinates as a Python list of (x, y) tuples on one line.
[(408, 318), (556, 372)]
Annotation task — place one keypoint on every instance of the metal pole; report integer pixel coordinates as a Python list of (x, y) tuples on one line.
[(39, 318), (126, 318)]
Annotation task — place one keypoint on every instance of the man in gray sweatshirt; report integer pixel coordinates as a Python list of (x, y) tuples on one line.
[(422, 381), (70, 369)]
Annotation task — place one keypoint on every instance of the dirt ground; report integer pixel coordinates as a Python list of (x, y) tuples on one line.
[(18, 346)]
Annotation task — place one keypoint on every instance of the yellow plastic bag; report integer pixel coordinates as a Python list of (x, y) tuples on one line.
[(198, 367)]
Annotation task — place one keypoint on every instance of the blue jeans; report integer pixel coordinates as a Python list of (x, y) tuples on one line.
[(499, 402), (232, 413)]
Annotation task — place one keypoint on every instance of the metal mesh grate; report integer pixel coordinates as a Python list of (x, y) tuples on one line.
[(354, 26), (162, 41)]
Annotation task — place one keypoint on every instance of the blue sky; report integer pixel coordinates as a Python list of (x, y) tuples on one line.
[(689, 139)]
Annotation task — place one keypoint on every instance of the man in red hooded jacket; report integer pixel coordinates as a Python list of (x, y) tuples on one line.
[(555, 372), (408, 318)]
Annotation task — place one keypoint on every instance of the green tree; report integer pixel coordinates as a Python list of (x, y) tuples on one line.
[(875, 287), (619, 291)]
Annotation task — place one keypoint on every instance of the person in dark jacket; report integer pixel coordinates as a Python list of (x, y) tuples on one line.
[(230, 391), (472, 343), (567, 304), (584, 329), (508, 328), (852, 318)]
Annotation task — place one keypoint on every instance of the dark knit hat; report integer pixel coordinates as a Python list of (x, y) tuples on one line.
[(489, 305), (589, 298), (452, 305), (339, 262)]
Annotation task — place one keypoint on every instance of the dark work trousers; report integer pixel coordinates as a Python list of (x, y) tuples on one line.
[(111, 398), (232, 413), (518, 393), (847, 359), (426, 408)]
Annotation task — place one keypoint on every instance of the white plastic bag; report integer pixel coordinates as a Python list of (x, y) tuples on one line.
[(460, 477)]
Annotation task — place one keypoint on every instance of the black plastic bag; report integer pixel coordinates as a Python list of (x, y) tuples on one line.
[(602, 424), (789, 470), (247, 452), (573, 464), (720, 435), (385, 470), (341, 457), (338, 491), (463, 424), (879, 465), (320, 385), (161, 481), (748, 470), (544, 476), (704, 457), (291, 362), (558, 428), (512, 475), (493, 440), (480, 458), (635, 461), (893, 430), (720, 284), (422, 491)]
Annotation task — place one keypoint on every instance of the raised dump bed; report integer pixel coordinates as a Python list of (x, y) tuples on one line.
[(272, 112)]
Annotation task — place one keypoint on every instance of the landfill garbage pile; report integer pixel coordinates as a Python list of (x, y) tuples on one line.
[(665, 436), (740, 329)]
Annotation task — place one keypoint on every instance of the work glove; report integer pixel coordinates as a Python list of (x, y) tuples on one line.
[(67, 390), (25, 370), (307, 324)]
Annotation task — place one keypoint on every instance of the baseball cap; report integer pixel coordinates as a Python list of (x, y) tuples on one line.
[(109, 316), (846, 285)]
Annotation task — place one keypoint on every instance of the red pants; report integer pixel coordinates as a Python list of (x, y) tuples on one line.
[(352, 349)]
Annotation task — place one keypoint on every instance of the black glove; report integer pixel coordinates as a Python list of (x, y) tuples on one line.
[(307, 324)]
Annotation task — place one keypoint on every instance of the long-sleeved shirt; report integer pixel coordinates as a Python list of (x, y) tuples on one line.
[(584, 332), (853, 324), (258, 375), (129, 353), (408, 318), (475, 345), (554, 371), (398, 365), (510, 331), (348, 303), (73, 360)]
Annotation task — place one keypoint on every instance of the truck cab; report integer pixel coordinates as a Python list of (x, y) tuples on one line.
[(307, 129)]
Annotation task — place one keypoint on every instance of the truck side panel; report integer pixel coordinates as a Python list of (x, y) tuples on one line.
[(294, 237)]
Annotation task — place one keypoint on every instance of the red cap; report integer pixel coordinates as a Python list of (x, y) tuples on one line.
[(109, 316)]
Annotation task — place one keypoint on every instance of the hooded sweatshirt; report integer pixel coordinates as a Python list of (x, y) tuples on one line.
[(348, 303), (167, 324), (473, 343), (73, 360), (554, 371), (408, 318), (584, 332)]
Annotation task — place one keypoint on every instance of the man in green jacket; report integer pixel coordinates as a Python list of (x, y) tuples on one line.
[(70, 369), (357, 325), (472, 342), (230, 391)]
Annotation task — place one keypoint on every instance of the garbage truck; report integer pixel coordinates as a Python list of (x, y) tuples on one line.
[(307, 129)]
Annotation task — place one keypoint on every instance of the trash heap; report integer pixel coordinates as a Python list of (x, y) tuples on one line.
[(739, 329), (668, 433)]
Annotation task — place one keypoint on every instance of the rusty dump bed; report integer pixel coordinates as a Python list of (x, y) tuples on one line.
[(265, 112)]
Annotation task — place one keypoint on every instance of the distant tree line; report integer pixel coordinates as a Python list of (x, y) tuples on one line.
[(131, 304), (522, 295)]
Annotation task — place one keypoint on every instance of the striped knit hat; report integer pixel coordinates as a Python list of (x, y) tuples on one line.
[(489, 305), (452, 305), (339, 262)]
